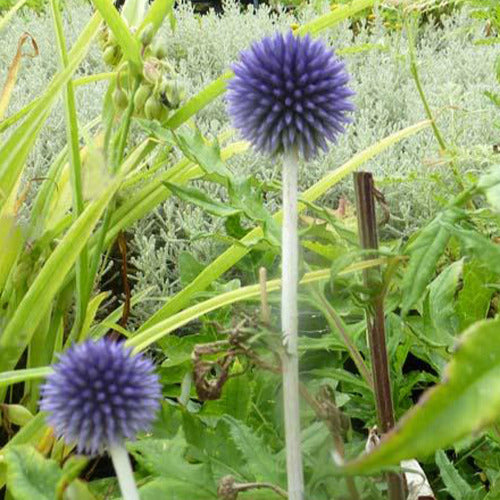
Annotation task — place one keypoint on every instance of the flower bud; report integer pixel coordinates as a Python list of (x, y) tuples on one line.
[(111, 55), (141, 96), (153, 108), (120, 99), (151, 70), (147, 34)]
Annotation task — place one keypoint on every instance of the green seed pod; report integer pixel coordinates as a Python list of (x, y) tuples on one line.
[(153, 108), (141, 96), (120, 99), (147, 34), (111, 55), (151, 70)]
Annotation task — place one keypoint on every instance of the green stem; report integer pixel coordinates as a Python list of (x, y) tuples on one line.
[(75, 169)]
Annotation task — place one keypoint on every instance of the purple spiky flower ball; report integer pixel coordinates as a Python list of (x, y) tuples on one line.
[(100, 395), (289, 92)]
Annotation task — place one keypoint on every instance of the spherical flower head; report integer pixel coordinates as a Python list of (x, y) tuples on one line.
[(100, 394), (289, 93)]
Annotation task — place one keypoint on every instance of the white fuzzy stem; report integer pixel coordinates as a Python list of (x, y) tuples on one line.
[(289, 320), (123, 469)]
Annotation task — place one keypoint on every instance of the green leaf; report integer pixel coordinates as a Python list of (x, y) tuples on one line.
[(47, 283), (12, 242), (199, 198), (23, 375), (32, 432), (157, 12), (466, 401), (260, 461), (456, 486), (30, 475), (477, 246), (189, 267), (425, 251), (474, 298), (336, 16), (15, 414), (173, 489), (199, 151), (199, 101), (91, 312), (235, 399), (166, 459), (490, 182), (441, 300), (10, 13)]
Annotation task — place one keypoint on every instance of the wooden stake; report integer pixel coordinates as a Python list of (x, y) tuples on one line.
[(367, 227)]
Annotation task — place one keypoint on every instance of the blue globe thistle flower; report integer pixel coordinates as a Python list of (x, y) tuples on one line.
[(289, 93), (99, 395)]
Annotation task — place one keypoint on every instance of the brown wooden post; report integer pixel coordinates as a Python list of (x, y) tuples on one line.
[(367, 227)]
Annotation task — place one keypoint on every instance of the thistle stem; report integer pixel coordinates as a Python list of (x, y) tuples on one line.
[(123, 469), (289, 321)]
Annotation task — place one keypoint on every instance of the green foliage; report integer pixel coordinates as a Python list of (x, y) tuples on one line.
[(189, 218), (30, 475)]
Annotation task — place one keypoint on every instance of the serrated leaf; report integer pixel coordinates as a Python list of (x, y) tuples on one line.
[(30, 475), (260, 461), (456, 486), (467, 400), (166, 458)]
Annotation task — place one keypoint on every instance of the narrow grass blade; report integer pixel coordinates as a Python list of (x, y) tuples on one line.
[(15, 150), (18, 332)]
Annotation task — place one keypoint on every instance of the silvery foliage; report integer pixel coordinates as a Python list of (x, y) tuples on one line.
[(414, 176)]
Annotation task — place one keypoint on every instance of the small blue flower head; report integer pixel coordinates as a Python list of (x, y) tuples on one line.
[(100, 394), (289, 93)]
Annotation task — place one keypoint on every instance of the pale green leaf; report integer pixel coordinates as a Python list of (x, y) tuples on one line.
[(30, 475), (47, 283)]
